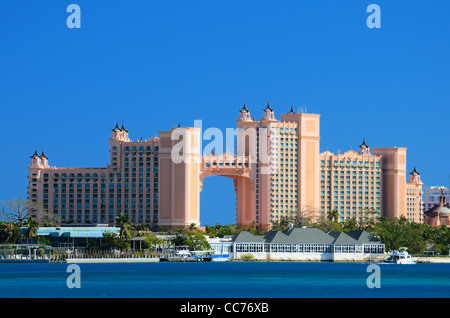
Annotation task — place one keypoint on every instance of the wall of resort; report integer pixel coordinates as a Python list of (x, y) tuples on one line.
[(277, 171)]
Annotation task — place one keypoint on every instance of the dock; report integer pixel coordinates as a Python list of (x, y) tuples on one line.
[(185, 259)]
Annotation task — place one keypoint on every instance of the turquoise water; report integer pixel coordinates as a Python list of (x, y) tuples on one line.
[(225, 280)]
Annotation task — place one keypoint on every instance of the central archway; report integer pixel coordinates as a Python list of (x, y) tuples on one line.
[(183, 181), (238, 169), (217, 201)]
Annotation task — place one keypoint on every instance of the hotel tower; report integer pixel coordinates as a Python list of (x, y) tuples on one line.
[(277, 171)]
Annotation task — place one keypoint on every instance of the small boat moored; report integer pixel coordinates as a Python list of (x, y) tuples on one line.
[(400, 257)]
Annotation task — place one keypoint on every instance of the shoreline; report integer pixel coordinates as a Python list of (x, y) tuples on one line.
[(435, 260), (425, 260)]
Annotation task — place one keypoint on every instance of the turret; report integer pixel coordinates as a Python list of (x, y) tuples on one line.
[(414, 176), (244, 114), (35, 159), (44, 159), (120, 134), (268, 113), (364, 148)]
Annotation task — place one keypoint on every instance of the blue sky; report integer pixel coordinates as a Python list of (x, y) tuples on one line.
[(152, 64)]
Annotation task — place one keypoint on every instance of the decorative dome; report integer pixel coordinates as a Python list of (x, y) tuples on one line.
[(154, 139), (444, 211)]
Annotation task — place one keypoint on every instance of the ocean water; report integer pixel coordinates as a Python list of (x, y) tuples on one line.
[(225, 280)]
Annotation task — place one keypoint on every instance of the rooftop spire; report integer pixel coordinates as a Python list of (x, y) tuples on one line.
[(244, 109), (116, 128), (35, 155), (268, 107), (292, 110), (364, 143), (415, 171), (123, 128), (43, 156)]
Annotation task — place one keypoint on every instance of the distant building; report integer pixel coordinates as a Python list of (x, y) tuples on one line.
[(439, 214), (308, 244), (432, 195), (414, 203)]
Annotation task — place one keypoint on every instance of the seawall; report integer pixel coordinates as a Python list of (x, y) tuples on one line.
[(432, 259)]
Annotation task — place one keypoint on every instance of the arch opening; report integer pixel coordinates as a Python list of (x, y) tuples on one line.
[(217, 201)]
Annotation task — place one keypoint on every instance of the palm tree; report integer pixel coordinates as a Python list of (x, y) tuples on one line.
[(333, 215), (123, 222), (32, 227), (9, 230)]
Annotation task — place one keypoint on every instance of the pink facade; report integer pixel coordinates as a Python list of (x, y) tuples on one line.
[(129, 184), (277, 171)]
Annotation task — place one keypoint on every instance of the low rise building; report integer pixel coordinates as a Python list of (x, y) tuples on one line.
[(308, 244)]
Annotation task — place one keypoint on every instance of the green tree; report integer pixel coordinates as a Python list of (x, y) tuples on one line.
[(350, 225), (400, 233), (8, 231), (112, 240), (221, 230), (282, 224), (150, 241), (123, 222), (195, 240), (32, 227), (333, 215)]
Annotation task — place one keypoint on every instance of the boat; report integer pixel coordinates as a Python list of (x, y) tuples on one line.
[(183, 253), (400, 257)]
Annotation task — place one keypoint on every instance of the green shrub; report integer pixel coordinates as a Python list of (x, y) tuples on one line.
[(247, 256)]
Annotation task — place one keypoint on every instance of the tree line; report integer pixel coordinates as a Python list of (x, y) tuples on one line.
[(23, 219)]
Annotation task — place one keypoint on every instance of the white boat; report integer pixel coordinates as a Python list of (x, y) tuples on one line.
[(183, 253), (400, 257)]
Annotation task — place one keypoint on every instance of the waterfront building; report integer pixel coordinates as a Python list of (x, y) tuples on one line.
[(308, 244), (276, 168), (128, 184), (74, 236), (432, 195), (221, 246)]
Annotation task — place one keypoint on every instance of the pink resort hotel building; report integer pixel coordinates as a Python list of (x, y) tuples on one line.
[(277, 170)]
